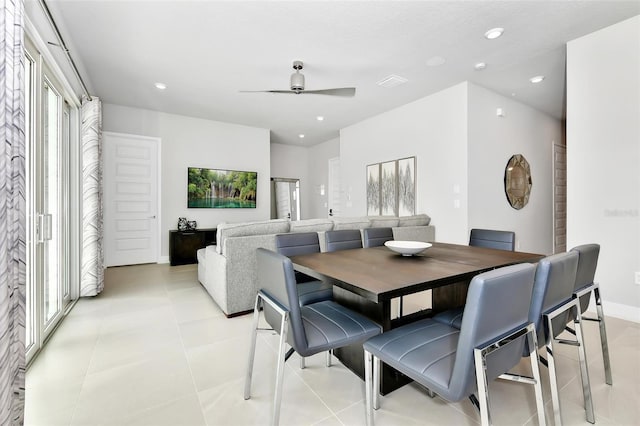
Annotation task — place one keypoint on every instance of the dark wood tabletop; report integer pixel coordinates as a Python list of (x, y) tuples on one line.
[(378, 274)]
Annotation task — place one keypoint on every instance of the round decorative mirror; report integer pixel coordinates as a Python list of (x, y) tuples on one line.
[(517, 181)]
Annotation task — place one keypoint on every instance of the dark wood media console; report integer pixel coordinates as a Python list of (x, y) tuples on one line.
[(183, 245)]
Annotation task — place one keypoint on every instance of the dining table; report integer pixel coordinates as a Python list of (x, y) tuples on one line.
[(366, 280)]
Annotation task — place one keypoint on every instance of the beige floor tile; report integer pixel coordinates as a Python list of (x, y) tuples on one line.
[(216, 329), (50, 402), (223, 362), (184, 412), (193, 304), (225, 405), (110, 396)]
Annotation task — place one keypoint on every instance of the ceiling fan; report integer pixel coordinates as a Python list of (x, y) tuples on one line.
[(297, 86)]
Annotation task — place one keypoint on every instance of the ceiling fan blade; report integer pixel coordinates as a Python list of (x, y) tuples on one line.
[(267, 91), (343, 91)]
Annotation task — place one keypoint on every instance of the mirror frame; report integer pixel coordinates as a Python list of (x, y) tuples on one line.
[(517, 181)]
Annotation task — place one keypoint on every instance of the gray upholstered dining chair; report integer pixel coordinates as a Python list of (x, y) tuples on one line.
[(455, 363), (308, 329), (584, 287), (489, 238), (344, 239), (501, 240), (310, 290), (374, 237), (552, 306)]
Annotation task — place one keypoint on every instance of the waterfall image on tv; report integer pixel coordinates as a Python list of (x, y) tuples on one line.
[(221, 189)]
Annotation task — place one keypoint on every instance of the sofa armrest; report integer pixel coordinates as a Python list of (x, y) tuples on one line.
[(216, 277)]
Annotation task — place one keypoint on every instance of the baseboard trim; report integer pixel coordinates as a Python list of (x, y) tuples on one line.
[(618, 310)]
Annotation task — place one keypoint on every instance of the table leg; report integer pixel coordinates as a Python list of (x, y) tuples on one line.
[(449, 296)]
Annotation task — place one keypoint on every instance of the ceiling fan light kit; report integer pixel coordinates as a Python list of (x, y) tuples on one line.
[(296, 83)]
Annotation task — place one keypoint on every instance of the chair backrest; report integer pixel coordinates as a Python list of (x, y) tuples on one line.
[(502, 240), (587, 264), (374, 237), (553, 287), (277, 279), (343, 239), (497, 303), (297, 243)]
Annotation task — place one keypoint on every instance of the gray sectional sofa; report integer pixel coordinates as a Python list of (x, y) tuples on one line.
[(228, 270)]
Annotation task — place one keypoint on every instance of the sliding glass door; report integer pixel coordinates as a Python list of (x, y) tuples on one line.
[(50, 128)]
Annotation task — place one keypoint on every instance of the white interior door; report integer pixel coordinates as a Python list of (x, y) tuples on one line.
[(131, 208)]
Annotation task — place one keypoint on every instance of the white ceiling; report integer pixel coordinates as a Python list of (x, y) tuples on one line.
[(207, 51)]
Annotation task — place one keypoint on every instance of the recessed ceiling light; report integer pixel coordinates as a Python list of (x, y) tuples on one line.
[(320, 118), (436, 61), (494, 33), (301, 135), (536, 79), (480, 66), (161, 86)]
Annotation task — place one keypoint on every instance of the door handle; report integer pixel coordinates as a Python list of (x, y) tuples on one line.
[(44, 227)]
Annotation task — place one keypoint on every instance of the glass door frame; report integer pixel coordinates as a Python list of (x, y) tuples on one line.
[(68, 194)]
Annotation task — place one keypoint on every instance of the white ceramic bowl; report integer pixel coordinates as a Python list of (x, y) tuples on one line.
[(407, 248)]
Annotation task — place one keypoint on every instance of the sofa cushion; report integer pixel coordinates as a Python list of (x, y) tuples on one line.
[(244, 229), (415, 220), (383, 221), (311, 225), (341, 223)]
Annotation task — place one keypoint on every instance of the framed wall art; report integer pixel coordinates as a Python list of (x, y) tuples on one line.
[(391, 188)]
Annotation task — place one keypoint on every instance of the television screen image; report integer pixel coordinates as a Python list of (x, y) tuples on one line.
[(221, 189)]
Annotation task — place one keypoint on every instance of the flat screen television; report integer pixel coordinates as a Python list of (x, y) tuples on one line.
[(221, 189)]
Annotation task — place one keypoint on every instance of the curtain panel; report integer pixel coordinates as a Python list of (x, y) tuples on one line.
[(92, 273), (12, 213)]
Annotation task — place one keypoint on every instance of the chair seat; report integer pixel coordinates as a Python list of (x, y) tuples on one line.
[(423, 347), (314, 292), (452, 317), (328, 325)]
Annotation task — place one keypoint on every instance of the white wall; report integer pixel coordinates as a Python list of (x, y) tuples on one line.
[(319, 156), (194, 142), (434, 130), (492, 141), (603, 153), (289, 161)]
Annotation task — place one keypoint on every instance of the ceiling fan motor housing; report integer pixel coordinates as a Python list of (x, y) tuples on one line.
[(297, 81)]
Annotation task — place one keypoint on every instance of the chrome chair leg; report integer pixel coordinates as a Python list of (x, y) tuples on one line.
[(376, 383), (584, 371), (368, 388), (603, 337), (535, 369), (302, 363), (553, 378), (252, 350), (329, 353), (481, 379), (277, 398)]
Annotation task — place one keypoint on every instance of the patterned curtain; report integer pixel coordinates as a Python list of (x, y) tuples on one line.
[(12, 214), (92, 274)]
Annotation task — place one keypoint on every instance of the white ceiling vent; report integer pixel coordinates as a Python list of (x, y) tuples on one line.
[(392, 81)]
